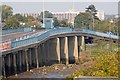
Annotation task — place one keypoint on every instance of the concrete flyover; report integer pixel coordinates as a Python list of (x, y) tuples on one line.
[(62, 47)]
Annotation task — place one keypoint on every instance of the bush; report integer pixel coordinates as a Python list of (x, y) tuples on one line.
[(105, 64)]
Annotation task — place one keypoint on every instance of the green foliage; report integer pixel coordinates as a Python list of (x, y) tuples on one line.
[(19, 17), (106, 64), (11, 22), (47, 14), (83, 20), (56, 22), (63, 23), (92, 10), (30, 18), (6, 12)]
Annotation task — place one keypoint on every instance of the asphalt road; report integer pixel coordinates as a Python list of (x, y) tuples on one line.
[(19, 35)]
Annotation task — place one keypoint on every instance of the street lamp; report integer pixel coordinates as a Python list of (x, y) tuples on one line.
[(111, 21), (93, 22), (43, 16), (73, 16)]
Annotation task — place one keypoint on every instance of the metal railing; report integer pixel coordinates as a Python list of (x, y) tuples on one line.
[(98, 33), (56, 31), (37, 38), (15, 30)]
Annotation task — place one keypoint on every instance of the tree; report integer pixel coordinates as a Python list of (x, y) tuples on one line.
[(19, 17), (30, 18), (93, 11), (56, 22), (11, 22), (6, 12), (83, 20), (47, 14), (63, 23)]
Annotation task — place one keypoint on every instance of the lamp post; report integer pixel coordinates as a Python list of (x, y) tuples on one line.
[(43, 16), (73, 16), (93, 22), (111, 21)]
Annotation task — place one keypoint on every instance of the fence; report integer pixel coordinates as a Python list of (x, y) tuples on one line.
[(55, 31), (42, 36), (98, 33), (16, 30)]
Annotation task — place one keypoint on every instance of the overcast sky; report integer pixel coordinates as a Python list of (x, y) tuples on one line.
[(37, 7)]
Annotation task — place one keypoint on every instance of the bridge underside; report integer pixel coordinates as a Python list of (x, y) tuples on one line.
[(64, 50), (54, 50)]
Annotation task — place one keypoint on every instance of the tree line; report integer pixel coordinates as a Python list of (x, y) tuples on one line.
[(82, 20)]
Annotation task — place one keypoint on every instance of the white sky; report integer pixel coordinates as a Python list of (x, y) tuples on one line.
[(60, 0), (32, 6)]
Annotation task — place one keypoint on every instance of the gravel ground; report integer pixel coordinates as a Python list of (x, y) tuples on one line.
[(53, 71)]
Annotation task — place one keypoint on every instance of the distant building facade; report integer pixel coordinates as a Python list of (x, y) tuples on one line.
[(69, 15), (101, 15), (35, 15)]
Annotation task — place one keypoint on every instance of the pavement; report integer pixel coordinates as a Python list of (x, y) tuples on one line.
[(19, 35)]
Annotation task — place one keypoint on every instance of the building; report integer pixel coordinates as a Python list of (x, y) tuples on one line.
[(35, 15), (48, 23), (69, 15), (101, 15)]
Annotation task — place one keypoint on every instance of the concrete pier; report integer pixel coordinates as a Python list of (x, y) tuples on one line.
[(3, 67), (83, 43), (76, 48), (26, 56), (37, 61), (9, 64), (73, 49), (55, 50), (15, 66), (64, 50), (54, 47), (20, 61)]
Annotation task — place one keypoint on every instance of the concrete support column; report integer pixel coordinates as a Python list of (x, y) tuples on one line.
[(64, 44), (26, 56), (73, 49), (9, 63), (40, 55), (76, 49), (47, 53), (20, 60), (3, 67), (30, 60), (64, 50), (58, 49), (83, 43), (14, 63), (54, 50), (23, 60), (79, 46), (43, 54), (36, 52)]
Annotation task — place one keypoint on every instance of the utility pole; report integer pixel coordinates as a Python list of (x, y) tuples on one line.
[(93, 21), (111, 21), (73, 16), (43, 16)]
